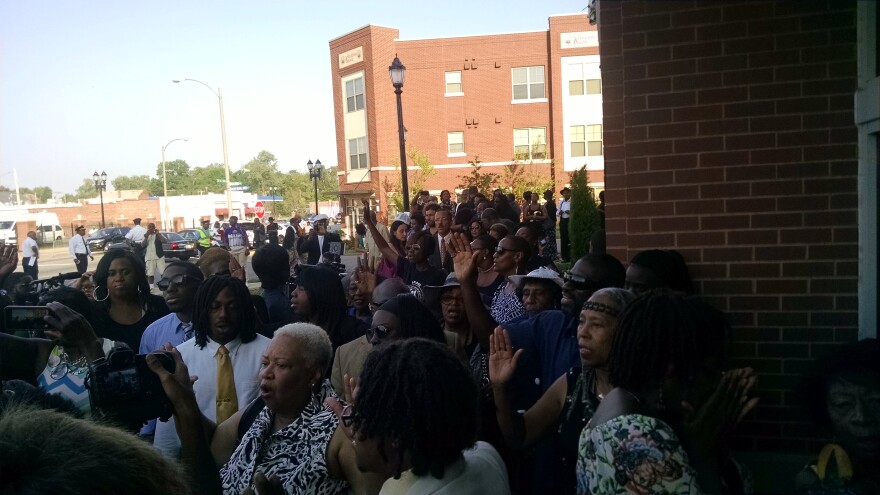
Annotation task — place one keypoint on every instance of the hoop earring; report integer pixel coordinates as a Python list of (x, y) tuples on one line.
[(95, 294)]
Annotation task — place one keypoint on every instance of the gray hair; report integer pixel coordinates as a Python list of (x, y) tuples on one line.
[(620, 298), (318, 350)]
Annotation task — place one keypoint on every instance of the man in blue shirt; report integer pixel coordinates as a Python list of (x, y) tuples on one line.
[(179, 284)]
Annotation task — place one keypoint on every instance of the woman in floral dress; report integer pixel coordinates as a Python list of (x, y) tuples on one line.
[(665, 425)]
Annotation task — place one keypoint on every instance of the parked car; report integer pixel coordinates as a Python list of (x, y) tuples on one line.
[(104, 238), (176, 246)]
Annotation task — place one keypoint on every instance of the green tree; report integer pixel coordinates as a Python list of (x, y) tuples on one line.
[(584, 213), (208, 179), (86, 189), (127, 182), (484, 181), (519, 177), (260, 173), (417, 178), (178, 176)]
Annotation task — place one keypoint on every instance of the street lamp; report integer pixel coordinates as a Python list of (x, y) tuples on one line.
[(272, 191), (398, 71), (219, 94), (100, 186), (315, 173), (165, 179)]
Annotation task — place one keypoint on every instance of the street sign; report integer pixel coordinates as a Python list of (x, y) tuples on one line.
[(259, 209)]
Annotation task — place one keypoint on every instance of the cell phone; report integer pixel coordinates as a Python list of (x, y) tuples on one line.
[(25, 318)]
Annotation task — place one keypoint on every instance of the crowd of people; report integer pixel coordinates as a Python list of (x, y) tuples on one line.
[(455, 358)]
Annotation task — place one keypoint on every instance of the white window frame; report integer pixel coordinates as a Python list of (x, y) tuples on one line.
[(584, 81), (529, 83), (578, 135), (354, 95), (593, 136), (453, 74), (533, 141), (455, 144), (363, 155)]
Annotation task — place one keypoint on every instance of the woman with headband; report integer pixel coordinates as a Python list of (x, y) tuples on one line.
[(563, 411)]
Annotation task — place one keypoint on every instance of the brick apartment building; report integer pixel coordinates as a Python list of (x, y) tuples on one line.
[(535, 96), (744, 134)]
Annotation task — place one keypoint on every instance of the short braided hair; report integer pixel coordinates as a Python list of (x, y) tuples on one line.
[(418, 393)]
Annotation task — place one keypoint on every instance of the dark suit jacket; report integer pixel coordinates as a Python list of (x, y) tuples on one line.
[(312, 246), (434, 258)]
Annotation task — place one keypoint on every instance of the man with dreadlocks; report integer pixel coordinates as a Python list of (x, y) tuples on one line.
[(225, 353), (415, 421)]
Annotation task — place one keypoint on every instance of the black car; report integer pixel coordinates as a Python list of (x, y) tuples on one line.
[(175, 246), (103, 238)]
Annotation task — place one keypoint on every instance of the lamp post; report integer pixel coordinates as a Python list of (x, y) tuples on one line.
[(100, 186), (165, 179), (398, 71), (219, 94), (315, 173), (272, 191)]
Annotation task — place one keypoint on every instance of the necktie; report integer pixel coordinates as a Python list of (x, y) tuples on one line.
[(442, 251), (187, 330), (227, 400)]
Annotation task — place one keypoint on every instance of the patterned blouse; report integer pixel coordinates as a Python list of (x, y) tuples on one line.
[(506, 306), (633, 454), (296, 453)]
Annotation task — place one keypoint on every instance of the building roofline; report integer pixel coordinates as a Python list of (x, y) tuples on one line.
[(358, 29), (583, 13), (543, 31)]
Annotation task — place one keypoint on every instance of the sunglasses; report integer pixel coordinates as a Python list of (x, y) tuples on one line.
[(178, 282), (379, 331), (580, 282), (501, 250)]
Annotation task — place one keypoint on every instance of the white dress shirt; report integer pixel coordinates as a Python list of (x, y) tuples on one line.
[(246, 363), (136, 234), (29, 248), (77, 246)]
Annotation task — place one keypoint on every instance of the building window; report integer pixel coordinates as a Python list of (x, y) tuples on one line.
[(578, 85), (357, 153), (594, 140), (453, 83), (528, 83), (455, 144), (354, 94), (530, 143), (578, 140)]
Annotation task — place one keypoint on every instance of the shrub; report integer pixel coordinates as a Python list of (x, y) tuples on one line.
[(584, 213)]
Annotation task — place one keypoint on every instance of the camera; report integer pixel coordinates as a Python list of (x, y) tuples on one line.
[(123, 388), (26, 319)]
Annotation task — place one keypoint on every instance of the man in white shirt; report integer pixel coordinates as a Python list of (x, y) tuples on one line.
[(564, 213), (79, 250), (154, 257), (225, 322), (136, 236), (30, 253)]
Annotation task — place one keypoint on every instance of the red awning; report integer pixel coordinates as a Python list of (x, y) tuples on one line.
[(249, 211), (221, 212)]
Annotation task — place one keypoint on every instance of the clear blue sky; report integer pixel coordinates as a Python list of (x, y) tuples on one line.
[(86, 86)]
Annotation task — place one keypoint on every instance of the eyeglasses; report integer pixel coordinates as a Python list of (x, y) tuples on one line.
[(501, 250), (379, 331), (580, 282), (177, 281), (450, 299)]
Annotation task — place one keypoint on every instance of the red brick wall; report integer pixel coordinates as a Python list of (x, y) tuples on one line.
[(729, 136), (119, 213)]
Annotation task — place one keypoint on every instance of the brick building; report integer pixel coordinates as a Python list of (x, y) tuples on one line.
[(533, 96), (744, 134)]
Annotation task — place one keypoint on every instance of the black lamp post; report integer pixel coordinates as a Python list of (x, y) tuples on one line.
[(315, 173), (397, 71), (100, 186)]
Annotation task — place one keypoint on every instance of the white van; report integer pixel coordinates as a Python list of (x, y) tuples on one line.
[(48, 227)]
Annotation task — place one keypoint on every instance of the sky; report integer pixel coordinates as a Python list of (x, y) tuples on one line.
[(86, 86)]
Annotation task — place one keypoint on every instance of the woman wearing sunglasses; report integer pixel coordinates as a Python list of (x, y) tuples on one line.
[(403, 317)]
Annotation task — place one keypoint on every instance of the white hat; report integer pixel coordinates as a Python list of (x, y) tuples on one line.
[(319, 217), (543, 273)]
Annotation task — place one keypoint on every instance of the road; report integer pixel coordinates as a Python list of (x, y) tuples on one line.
[(55, 260)]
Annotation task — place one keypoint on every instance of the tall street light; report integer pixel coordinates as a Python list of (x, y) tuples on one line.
[(100, 186), (397, 71), (315, 173), (165, 178), (219, 94), (272, 191)]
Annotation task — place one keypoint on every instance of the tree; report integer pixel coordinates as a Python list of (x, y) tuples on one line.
[(86, 189), (519, 177), (418, 177), (178, 178), (260, 173), (484, 181), (584, 213), (128, 182), (208, 179)]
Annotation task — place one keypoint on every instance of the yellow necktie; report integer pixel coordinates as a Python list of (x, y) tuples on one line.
[(227, 399)]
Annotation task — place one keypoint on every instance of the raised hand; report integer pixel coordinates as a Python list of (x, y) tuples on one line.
[(8, 261), (502, 359), (236, 270), (365, 273), (69, 327), (463, 259)]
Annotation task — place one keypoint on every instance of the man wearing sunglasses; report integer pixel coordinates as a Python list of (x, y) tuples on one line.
[(179, 284)]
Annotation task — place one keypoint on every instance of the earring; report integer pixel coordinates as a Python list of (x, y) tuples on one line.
[(95, 294)]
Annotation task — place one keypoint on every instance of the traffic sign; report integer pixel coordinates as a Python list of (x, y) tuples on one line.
[(259, 209)]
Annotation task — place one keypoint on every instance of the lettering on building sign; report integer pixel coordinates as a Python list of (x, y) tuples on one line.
[(580, 40), (351, 57)]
